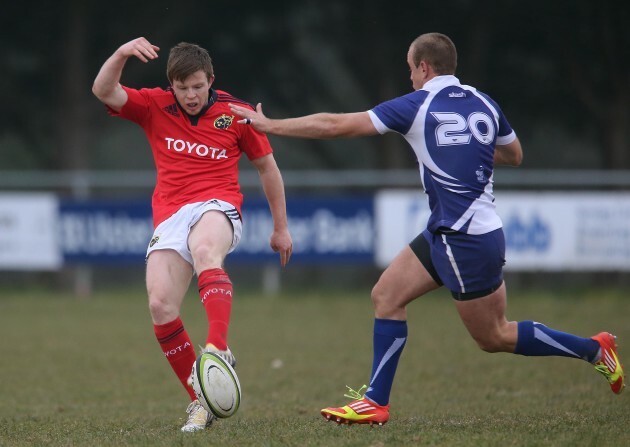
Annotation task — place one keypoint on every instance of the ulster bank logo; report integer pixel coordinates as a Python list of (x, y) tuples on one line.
[(527, 234), (223, 122)]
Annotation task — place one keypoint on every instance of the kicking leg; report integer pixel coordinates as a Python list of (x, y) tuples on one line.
[(210, 240)]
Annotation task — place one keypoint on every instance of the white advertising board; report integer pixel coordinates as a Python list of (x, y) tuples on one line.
[(28, 232), (551, 231)]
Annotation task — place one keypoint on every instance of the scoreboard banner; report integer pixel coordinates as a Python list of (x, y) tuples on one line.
[(566, 231), (105, 231), (28, 232), (400, 217), (545, 231), (550, 231), (324, 229)]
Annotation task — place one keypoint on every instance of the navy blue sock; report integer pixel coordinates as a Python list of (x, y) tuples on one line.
[(389, 340), (536, 339)]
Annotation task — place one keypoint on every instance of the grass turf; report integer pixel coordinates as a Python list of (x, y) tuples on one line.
[(77, 373)]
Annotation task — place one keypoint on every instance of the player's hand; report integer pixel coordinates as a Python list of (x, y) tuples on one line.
[(140, 48), (282, 243), (256, 119)]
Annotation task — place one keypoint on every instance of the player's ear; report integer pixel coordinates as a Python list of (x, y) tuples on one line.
[(426, 69), (210, 80)]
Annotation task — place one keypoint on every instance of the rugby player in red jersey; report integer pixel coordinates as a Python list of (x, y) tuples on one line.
[(196, 145)]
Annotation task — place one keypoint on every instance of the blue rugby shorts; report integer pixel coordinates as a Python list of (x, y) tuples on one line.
[(469, 265)]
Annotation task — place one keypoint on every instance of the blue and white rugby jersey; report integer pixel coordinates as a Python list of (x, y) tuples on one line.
[(453, 130)]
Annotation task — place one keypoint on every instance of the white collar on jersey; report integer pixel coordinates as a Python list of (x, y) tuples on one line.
[(439, 82)]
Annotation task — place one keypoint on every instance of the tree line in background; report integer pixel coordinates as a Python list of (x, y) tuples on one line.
[(559, 70)]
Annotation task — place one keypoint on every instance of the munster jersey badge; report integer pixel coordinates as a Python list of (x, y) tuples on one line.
[(223, 122)]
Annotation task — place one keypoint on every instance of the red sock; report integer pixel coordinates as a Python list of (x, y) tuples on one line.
[(177, 349), (215, 292)]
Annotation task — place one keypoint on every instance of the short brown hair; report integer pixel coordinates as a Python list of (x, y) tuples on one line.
[(437, 50), (185, 59)]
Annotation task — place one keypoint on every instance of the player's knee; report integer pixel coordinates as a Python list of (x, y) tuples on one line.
[(378, 297), (488, 346), (384, 302), (490, 343), (206, 256), (161, 310)]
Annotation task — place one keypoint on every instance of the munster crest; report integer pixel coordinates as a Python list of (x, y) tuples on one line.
[(223, 122)]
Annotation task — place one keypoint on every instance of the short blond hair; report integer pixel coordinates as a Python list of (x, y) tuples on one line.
[(437, 50)]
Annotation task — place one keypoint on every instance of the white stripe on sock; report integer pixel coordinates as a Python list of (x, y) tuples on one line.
[(540, 335), (396, 345)]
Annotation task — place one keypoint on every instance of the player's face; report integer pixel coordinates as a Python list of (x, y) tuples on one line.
[(192, 93), (417, 74)]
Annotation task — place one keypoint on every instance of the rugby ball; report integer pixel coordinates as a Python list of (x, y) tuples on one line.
[(216, 385)]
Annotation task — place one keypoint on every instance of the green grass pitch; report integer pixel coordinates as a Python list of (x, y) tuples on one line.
[(75, 373)]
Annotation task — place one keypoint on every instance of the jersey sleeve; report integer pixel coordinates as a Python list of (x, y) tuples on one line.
[(505, 134), (253, 143), (136, 108), (398, 114)]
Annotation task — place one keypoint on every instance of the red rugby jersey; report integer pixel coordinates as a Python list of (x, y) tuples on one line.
[(196, 157)]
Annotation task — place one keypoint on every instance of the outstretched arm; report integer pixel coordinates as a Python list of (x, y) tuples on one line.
[(107, 86), (273, 188), (317, 126)]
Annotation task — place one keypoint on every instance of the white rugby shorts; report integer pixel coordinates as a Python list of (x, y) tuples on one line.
[(173, 232)]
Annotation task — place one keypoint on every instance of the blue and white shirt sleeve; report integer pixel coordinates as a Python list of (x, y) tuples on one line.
[(398, 114), (506, 134)]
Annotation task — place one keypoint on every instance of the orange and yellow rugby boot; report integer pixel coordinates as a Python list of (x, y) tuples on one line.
[(359, 411), (608, 364)]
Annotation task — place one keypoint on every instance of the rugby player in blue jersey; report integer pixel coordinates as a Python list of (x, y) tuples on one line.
[(458, 135)]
